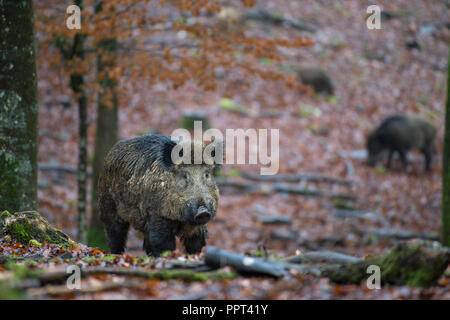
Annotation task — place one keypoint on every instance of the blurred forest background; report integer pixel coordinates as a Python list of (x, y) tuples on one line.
[(151, 66)]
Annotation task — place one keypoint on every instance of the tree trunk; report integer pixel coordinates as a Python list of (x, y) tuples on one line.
[(446, 171), (77, 85), (18, 107), (107, 128)]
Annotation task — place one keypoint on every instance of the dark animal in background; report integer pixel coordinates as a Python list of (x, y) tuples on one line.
[(140, 186), (317, 79), (400, 134)]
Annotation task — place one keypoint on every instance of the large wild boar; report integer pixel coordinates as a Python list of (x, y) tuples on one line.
[(400, 134), (141, 186)]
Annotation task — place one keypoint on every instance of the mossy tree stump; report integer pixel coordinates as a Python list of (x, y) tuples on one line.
[(29, 226)]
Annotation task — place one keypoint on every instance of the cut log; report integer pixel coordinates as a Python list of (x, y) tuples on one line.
[(245, 265)]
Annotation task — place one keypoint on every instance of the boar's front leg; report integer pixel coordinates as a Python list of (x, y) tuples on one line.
[(195, 243), (160, 237), (428, 154), (389, 162)]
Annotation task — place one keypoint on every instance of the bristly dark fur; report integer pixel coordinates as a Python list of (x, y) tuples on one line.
[(141, 187)]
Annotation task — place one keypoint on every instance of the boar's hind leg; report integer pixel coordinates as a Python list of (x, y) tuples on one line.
[(160, 238), (115, 227), (195, 243)]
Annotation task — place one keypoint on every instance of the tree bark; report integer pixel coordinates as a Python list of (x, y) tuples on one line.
[(446, 171), (107, 127), (18, 107), (77, 85)]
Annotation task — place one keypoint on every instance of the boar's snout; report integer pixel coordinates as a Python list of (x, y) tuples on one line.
[(202, 216), (199, 213)]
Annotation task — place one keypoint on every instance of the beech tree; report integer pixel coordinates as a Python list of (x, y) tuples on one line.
[(446, 170), (18, 107)]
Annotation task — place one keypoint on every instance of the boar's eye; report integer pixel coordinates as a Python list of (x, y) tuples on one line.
[(207, 174)]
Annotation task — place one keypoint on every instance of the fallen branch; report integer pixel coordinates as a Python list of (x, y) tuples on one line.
[(243, 186), (398, 234), (265, 16), (58, 290), (321, 257), (343, 213), (161, 274), (296, 178), (275, 220)]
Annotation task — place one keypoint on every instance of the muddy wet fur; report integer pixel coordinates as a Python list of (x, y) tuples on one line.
[(141, 187), (401, 134)]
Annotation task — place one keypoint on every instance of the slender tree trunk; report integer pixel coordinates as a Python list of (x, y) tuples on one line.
[(77, 85), (107, 127), (18, 107), (446, 171)]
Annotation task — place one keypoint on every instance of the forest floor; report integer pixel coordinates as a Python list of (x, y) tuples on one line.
[(375, 75)]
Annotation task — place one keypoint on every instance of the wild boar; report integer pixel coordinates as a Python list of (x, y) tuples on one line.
[(142, 187), (317, 79), (401, 133)]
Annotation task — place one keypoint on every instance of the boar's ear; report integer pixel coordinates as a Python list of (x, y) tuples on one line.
[(167, 161)]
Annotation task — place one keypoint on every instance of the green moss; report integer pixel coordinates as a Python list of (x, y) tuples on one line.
[(230, 105), (165, 254), (11, 182), (407, 264), (8, 293), (233, 173), (35, 243), (109, 258), (28, 226), (381, 169), (189, 275), (5, 214), (343, 204)]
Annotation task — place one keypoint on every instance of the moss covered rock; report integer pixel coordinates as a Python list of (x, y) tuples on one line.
[(414, 263), (31, 226)]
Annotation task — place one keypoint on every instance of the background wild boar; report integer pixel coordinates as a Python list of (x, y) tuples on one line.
[(316, 78), (141, 186), (400, 134)]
